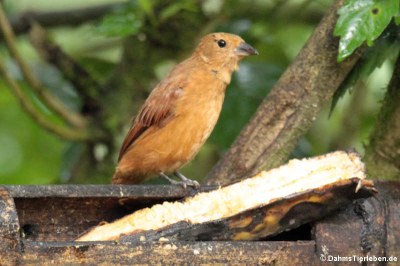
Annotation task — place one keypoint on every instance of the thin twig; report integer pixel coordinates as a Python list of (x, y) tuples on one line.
[(47, 98), (61, 131), (85, 85)]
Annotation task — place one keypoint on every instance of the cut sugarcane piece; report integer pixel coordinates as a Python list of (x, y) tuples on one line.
[(249, 208)]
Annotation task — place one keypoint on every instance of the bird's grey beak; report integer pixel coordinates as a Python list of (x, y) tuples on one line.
[(245, 49)]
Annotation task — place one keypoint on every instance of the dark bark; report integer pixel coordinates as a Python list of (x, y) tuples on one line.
[(289, 109), (382, 155)]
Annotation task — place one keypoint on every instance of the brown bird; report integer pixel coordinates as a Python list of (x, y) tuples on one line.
[(181, 111)]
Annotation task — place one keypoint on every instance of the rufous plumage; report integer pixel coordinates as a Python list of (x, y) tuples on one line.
[(181, 112)]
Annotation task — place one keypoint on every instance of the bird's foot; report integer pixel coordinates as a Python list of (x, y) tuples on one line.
[(185, 182)]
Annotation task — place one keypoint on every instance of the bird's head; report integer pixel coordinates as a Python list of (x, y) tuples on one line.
[(221, 48)]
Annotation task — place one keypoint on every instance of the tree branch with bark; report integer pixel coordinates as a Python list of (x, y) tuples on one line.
[(290, 108), (22, 23)]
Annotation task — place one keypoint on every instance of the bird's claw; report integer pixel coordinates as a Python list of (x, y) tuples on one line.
[(184, 181), (190, 183)]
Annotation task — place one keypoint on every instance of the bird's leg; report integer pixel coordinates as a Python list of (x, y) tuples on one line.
[(186, 181), (163, 175)]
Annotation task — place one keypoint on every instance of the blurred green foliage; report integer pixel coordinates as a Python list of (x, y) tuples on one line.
[(123, 21), (278, 29), (28, 155)]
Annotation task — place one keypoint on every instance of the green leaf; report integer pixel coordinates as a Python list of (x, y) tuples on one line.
[(362, 21), (386, 46)]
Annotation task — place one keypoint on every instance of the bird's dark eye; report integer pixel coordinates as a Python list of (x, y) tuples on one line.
[(221, 43)]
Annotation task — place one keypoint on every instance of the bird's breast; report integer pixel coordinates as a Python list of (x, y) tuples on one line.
[(199, 110)]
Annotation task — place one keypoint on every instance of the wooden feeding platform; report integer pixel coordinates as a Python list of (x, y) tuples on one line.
[(39, 223), (307, 212)]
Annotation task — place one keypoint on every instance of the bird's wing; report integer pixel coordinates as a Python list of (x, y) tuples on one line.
[(157, 109)]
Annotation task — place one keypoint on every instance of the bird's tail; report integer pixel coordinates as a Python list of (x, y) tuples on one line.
[(121, 177)]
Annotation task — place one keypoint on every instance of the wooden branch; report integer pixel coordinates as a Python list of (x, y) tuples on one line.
[(382, 154), (289, 109), (39, 227), (85, 85), (252, 209), (38, 117), (22, 23), (47, 98)]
